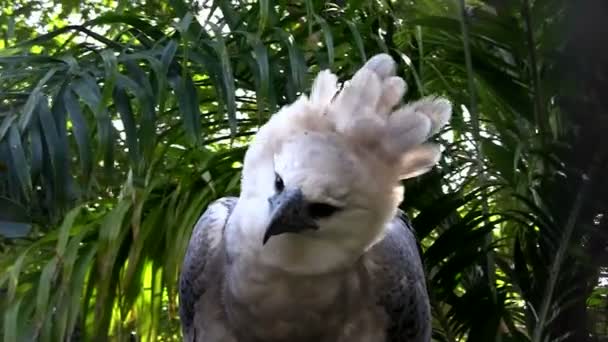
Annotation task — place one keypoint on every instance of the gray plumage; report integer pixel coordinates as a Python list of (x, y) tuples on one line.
[(315, 248), (387, 284)]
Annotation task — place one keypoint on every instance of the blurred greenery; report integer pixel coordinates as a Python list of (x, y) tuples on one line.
[(121, 120)]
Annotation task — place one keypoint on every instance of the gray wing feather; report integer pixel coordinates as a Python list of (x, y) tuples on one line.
[(204, 242), (403, 291)]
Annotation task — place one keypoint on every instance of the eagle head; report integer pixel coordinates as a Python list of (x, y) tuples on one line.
[(322, 177)]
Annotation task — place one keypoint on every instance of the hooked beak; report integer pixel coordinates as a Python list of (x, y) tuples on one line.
[(288, 214)]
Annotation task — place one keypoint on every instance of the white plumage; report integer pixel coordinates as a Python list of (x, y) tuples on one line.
[(314, 248)]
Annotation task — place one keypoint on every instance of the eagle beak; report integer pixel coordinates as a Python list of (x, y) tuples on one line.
[(289, 214)]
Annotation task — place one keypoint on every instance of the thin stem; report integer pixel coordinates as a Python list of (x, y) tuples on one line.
[(554, 272), (489, 267), (539, 109), (443, 322)]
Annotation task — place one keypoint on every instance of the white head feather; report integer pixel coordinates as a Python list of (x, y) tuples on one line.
[(350, 149)]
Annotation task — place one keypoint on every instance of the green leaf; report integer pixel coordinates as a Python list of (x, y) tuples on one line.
[(10, 210), (123, 106), (111, 68), (261, 59), (11, 321), (15, 221), (358, 40), (138, 22), (6, 124), (264, 6), (21, 165), (15, 270), (33, 100), (112, 223), (296, 64), (329, 40), (261, 73), (439, 210), (81, 133), (188, 104), (221, 51), (12, 230), (144, 93), (59, 114), (47, 279), (88, 90), (166, 61), (500, 157), (522, 274), (83, 264), (185, 22), (57, 154), (168, 55), (64, 230), (37, 150), (381, 43), (463, 233), (65, 288), (309, 15)]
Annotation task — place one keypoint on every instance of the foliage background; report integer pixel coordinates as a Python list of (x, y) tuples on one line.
[(121, 120)]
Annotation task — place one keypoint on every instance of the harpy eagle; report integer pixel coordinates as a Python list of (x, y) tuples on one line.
[(315, 247)]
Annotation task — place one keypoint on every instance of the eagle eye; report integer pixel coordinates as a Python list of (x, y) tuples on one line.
[(278, 183), (321, 210)]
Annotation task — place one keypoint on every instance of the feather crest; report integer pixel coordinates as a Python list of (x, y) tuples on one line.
[(363, 113)]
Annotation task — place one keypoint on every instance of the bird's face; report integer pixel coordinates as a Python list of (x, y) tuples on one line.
[(310, 203), (321, 192), (322, 177)]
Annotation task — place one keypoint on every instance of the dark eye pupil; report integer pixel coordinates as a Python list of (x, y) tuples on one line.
[(278, 183), (320, 210)]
